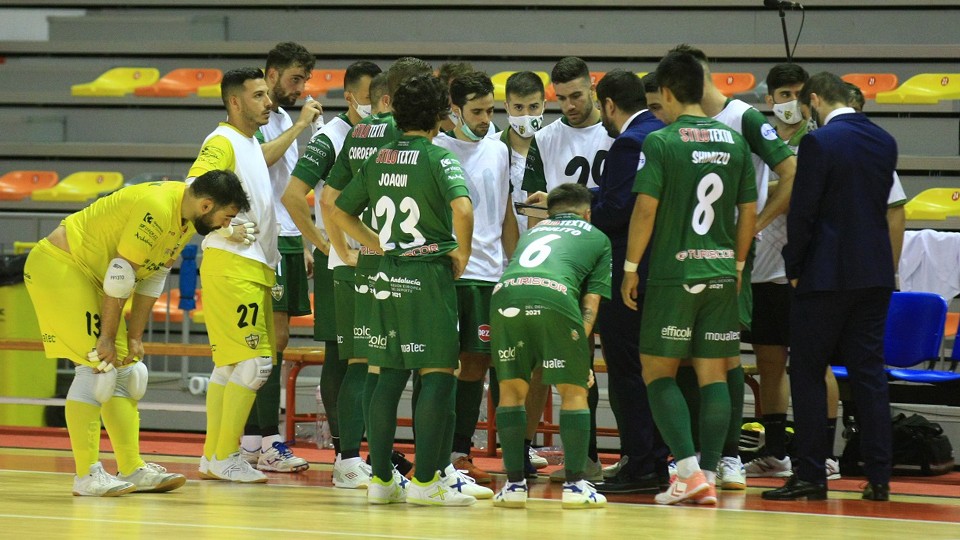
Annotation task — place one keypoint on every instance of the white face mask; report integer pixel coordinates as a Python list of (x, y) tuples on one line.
[(454, 118), (525, 126), (363, 110), (788, 113)]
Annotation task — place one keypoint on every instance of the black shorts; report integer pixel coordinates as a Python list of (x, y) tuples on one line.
[(771, 315)]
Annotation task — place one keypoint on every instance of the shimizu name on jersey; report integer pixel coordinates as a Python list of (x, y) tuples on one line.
[(720, 158)]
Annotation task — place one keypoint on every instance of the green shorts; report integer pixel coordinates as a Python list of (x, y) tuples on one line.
[(413, 321), (473, 303), (324, 319), (345, 296), (745, 298), (694, 320), (291, 294), (362, 311), (527, 335)]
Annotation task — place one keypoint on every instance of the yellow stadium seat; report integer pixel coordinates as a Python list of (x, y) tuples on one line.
[(18, 185), (734, 83), (181, 83), (934, 204), (500, 83), (117, 82), (81, 186), (871, 83), (210, 90), (924, 89)]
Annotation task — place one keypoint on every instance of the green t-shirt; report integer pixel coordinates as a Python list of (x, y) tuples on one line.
[(318, 158), (699, 170), (557, 261), (409, 185)]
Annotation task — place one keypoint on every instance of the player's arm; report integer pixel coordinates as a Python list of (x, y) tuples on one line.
[(328, 207), (641, 229), (779, 201), (511, 230), (119, 283), (274, 150), (897, 223), (463, 228), (805, 206), (345, 213), (352, 225), (294, 199), (746, 221), (589, 307)]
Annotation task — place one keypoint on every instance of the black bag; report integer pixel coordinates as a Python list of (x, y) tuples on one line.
[(919, 449)]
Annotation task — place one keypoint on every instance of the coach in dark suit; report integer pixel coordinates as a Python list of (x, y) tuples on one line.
[(839, 260), (624, 112)]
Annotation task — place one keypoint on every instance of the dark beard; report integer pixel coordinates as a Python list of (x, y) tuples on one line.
[(203, 228)]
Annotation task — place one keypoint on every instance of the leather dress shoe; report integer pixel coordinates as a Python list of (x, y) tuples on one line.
[(796, 489), (876, 492), (624, 483)]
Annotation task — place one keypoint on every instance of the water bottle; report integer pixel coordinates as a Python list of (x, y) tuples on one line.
[(324, 437), (318, 123)]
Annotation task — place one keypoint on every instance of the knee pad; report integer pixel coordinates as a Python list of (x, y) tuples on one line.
[(132, 381), (92, 388), (253, 373), (221, 375)]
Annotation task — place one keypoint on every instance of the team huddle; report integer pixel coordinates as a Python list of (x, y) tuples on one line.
[(443, 247)]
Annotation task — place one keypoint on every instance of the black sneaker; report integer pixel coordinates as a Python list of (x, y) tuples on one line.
[(400, 462), (529, 470)]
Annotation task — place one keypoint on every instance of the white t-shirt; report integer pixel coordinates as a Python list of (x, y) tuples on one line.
[(280, 171), (560, 154), (336, 130)]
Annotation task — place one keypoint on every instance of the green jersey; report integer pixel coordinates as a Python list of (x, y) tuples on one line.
[(557, 261), (408, 185), (699, 170), (321, 153)]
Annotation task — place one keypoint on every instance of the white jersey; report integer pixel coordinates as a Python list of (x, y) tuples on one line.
[(560, 154), (251, 168), (336, 130), (518, 163), (280, 171), (487, 170), (732, 116)]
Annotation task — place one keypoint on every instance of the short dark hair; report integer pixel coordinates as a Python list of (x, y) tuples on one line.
[(569, 197), (693, 51), (420, 102), (403, 69), (289, 54), (682, 73), (475, 83), (223, 187), (828, 86), (569, 69), (233, 80), (624, 88), (524, 83), (649, 82), (855, 97), (357, 71), (785, 74), (451, 70), (378, 87)]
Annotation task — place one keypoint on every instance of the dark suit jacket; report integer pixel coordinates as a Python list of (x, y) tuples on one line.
[(837, 235)]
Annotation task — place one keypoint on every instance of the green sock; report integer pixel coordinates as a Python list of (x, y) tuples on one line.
[(690, 387), (731, 446), (432, 414), (714, 415), (468, 399), (369, 385), (671, 416), (266, 407), (512, 426), (383, 420), (350, 410), (331, 378), (575, 433)]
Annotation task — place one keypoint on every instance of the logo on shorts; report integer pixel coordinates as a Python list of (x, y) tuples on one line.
[(509, 312), (413, 348), (252, 340), (339, 339), (46, 338), (554, 363), (483, 332), (674, 333), (361, 333), (378, 294), (695, 289), (378, 342), (507, 355), (574, 335), (277, 292), (721, 336)]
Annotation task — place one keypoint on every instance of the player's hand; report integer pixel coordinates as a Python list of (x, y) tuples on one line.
[(308, 259), (245, 233), (628, 289), (591, 380), (352, 256), (134, 351), (794, 282), (311, 111), (739, 280), (106, 353), (538, 198), (459, 257)]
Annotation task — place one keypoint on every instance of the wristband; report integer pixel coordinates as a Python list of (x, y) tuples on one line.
[(630, 266), (741, 265), (226, 231)]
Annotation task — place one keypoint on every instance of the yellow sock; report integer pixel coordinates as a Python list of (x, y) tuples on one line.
[(237, 402), (83, 425), (122, 420), (214, 415)]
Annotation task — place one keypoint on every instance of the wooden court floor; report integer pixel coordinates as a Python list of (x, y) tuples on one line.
[(36, 503)]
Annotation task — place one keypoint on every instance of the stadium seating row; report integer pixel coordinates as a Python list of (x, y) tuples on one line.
[(77, 187)]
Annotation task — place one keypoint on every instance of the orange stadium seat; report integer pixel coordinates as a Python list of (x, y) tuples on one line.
[(180, 83), (304, 321), (500, 83), (323, 80), (734, 83), (871, 83), (117, 82), (81, 186), (924, 89), (934, 204), (18, 185), (595, 76)]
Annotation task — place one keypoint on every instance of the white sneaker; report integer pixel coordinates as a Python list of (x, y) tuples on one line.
[(436, 493), (153, 478), (380, 492), (672, 471), (351, 473), (592, 472), (769, 467), (612, 470), (205, 469), (250, 457), (235, 469), (833, 469), (581, 494), (536, 459), (459, 480), (730, 473), (100, 484), (279, 458), (512, 495)]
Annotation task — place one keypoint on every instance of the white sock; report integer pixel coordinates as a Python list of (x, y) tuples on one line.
[(248, 442), (686, 467), (268, 442), (710, 476), (456, 455)]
